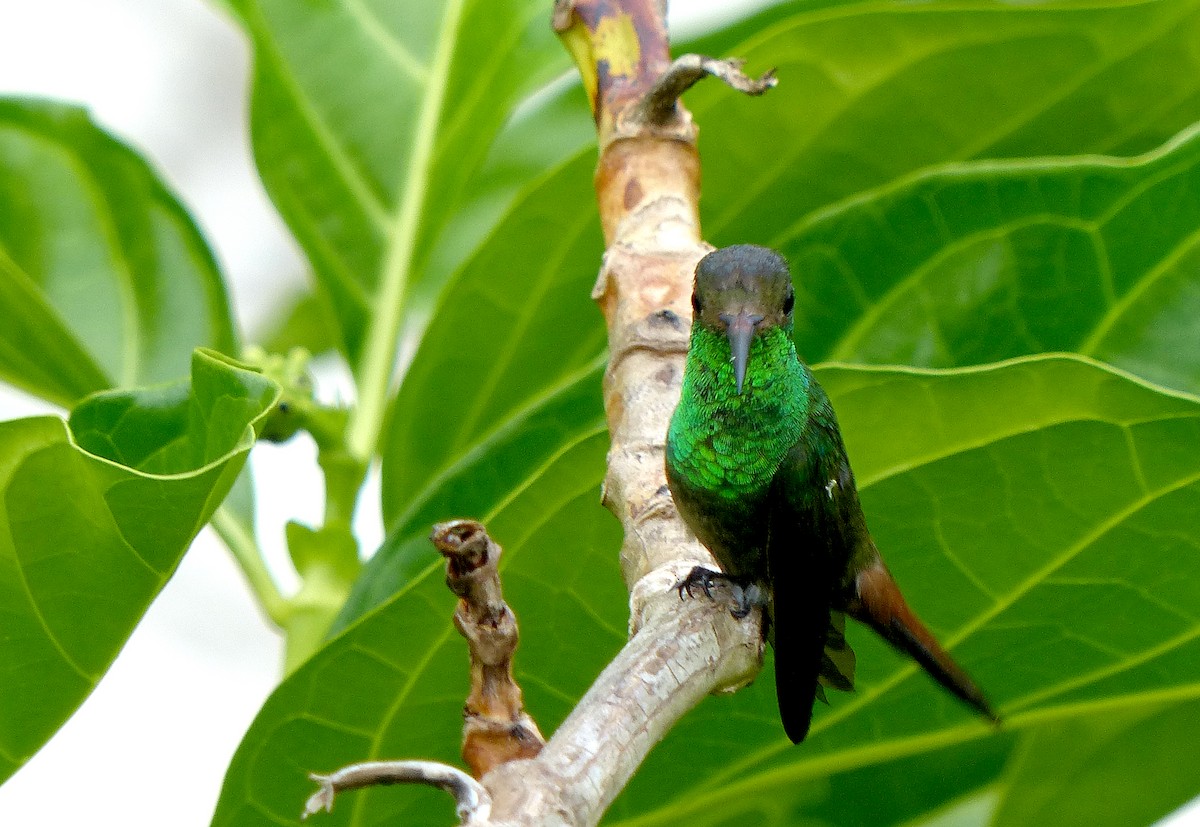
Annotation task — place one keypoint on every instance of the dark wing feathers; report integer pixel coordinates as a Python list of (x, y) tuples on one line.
[(813, 532), (822, 561)]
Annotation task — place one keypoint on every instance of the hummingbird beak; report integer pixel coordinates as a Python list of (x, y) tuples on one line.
[(740, 331)]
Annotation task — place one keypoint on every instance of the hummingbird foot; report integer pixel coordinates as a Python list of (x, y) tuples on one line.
[(744, 596)]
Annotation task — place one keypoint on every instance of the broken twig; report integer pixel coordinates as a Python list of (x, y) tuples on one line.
[(497, 728), (660, 106), (474, 802)]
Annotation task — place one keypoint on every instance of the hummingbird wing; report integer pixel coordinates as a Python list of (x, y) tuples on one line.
[(810, 532), (864, 587)]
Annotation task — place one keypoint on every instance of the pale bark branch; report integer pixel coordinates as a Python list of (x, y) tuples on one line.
[(647, 186), (474, 803)]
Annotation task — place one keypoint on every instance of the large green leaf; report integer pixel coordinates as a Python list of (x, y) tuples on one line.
[(872, 91), (1062, 597), (537, 330), (979, 261), (979, 486), (514, 360), (499, 329), (104, 278), (95, 517), (1075, 772), (370, 119), (394, 683)]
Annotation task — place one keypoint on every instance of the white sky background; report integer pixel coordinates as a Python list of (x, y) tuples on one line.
[(151, 745)]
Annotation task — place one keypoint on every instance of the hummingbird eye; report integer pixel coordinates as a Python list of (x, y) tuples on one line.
[(789, 302), (695, 304)]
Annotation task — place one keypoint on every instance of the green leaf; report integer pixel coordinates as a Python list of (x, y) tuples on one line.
[(394, 683), (1075, 773), (870, 92), (978, 486), (538, 333), (515, 302), (502, 417), (104, 278), (981, 261), (95, 517), (370, 120), (303, 322)]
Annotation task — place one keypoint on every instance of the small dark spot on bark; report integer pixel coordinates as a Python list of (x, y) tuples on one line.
[(667, 317), (666, 374), (633, 193)]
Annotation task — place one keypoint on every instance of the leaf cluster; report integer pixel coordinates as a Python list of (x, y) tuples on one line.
[(991, 210)]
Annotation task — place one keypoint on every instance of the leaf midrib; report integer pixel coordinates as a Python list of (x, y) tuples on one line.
[(383, 332)]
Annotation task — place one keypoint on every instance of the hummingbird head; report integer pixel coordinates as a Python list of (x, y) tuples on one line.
[(740, 292)]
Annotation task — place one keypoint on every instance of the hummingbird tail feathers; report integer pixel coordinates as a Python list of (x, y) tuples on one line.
[(837, 663), (882, 607)]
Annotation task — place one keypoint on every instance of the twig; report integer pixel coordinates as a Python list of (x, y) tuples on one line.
[(660, 107), (474, 802), (497, 728)]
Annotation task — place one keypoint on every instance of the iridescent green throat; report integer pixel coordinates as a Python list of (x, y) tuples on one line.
[(731, 444)]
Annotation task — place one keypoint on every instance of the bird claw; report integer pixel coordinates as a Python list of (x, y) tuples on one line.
[(745, 597), (698, 577)]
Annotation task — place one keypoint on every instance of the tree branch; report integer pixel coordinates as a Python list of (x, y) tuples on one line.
[(659, 108), (647, 186), (474, 803)]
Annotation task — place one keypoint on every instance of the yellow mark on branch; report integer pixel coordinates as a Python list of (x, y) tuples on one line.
[(578, 41), (616, 41)]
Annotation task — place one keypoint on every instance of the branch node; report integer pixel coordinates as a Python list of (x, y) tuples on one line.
[(474, 801)]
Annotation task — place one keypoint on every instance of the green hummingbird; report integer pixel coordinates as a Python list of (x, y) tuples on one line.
[(757, 467)]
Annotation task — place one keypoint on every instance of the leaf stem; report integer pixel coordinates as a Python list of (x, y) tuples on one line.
[(241, 543)]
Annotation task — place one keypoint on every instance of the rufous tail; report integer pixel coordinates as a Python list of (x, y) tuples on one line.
[(882, 607)]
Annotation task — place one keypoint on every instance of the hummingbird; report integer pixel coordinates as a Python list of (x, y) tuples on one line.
[(756, 465)]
